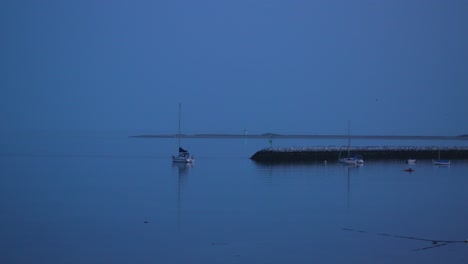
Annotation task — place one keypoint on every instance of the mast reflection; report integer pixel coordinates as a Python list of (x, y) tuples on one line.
[(182, 170), (348, 168)]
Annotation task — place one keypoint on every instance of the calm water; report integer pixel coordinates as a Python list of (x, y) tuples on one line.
[(85, 199)]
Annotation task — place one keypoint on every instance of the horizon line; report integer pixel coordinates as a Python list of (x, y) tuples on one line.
[(304, 136)]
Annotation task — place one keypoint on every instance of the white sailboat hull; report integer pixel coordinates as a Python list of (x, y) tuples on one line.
[(177, 160), (441, 162), (353, 161), (182, 159)]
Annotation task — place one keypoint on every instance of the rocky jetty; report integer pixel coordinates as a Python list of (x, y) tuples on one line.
[(331, 153)]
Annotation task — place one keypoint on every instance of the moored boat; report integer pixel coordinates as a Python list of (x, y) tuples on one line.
[(441, 162), (351, 158), (184, 155)]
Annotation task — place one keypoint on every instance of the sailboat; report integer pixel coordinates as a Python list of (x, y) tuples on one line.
[(184, 155), (440, 161), (351, 159)]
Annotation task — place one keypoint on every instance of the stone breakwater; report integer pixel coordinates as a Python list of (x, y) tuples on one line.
[(331, 153)]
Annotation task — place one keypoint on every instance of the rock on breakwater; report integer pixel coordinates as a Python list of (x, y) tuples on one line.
[(331, 153)]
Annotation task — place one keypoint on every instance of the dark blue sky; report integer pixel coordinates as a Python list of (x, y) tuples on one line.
[(391, 67)]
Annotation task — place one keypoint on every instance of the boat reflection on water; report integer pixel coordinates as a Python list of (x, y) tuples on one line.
[(182, 170), (348, 168)]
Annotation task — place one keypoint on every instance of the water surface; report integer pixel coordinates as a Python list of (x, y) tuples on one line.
[(114, 199)]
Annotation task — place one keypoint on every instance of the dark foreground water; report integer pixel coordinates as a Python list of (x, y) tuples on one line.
[(103, 199)]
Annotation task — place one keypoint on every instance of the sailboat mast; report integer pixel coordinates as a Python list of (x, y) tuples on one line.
[(178, 134), (349, 135)]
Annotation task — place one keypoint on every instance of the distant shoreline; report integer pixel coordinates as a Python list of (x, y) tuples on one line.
[(278, 136)]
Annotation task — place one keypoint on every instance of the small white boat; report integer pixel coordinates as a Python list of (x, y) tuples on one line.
[(411, 161)]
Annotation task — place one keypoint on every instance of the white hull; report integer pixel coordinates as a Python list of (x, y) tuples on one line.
[(441, 162), (183, 159), (348, 161), (352, 161), (177, 160)]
